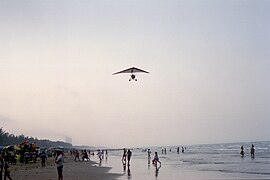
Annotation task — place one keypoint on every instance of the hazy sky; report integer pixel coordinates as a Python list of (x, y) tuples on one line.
[(209, 64)]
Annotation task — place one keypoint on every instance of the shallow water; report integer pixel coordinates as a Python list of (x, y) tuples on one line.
[(212, 161)]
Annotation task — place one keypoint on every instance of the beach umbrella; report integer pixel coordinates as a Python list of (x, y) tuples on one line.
[(59, 148)]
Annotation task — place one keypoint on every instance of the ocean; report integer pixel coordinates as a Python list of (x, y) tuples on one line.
[(206, 161)]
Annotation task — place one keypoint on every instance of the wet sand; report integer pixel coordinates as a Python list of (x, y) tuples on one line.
[(72, 171)]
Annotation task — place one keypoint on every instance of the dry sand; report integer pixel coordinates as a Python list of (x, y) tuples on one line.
[(72, 171)]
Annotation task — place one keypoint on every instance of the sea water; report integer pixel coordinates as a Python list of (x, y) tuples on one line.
[(209, 161)]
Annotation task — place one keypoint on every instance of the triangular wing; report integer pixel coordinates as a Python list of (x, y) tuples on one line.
[(131, 70)]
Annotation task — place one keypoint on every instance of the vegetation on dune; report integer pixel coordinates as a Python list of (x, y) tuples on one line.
[(11, 139)]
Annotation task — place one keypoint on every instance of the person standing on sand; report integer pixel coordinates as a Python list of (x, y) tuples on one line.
[(129, 154), (43, 157), (252, 151), (59, 160), (242, 151)]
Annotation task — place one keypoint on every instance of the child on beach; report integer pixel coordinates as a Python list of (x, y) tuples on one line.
[(156, 159)]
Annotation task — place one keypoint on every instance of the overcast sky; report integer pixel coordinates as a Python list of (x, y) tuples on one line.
[(209, 64)]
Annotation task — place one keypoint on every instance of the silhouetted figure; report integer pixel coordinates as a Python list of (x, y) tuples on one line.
[(252, 151), (183, 150), (242, 152), (156, 159), (149, 153), (177, 150), (124, 157), (129, 154)]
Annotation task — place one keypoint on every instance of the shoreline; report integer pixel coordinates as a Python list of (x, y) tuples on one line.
[(72, 170)]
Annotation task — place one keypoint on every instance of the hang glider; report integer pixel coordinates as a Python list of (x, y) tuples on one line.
[(131, 71)]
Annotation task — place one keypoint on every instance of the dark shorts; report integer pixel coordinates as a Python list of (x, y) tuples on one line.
[(60, 170)]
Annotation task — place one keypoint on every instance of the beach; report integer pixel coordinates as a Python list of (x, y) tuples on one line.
[(72, 171), (206, 161)]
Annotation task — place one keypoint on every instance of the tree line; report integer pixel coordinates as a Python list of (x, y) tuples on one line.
[(11, 139)]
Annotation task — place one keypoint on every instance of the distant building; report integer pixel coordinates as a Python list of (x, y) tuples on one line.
[(69, 140)]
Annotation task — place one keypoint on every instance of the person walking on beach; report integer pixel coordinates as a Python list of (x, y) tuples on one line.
[(99, 153), (129, 154), (252, 151), (124, 157), (242, 152), (156, 159), (59, 160)]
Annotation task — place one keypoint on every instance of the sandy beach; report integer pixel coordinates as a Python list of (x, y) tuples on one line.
[(72, 171)]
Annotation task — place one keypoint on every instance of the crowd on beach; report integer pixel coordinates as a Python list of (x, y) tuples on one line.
[(25, 153), (28, 153)]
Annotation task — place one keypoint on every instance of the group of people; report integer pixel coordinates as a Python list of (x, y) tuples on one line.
[(252, 151), (126, 156), (25, 153), (84, 153)]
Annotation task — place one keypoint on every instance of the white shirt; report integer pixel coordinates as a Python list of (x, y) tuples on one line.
[(59, 160)]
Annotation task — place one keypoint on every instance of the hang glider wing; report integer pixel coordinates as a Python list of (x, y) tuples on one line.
[(131, 70)]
